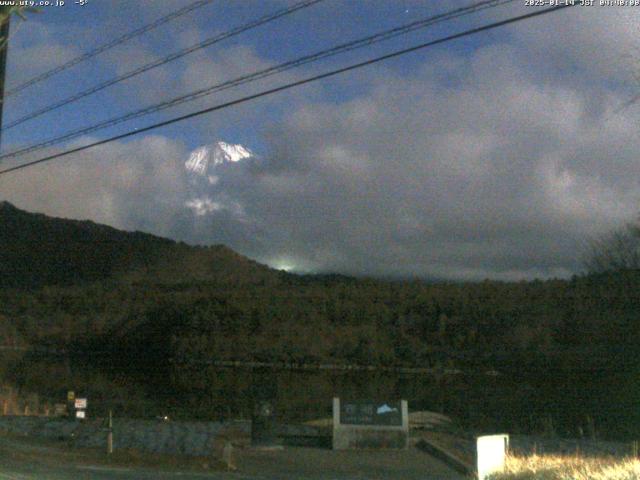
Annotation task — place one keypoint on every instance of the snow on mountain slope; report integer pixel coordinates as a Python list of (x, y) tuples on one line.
[(202, 164), (204, 158)]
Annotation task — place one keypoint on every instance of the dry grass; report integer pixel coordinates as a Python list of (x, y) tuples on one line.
[(556, 467)]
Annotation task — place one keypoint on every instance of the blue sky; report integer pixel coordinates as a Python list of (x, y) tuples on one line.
[(494, 156), (73, 29)]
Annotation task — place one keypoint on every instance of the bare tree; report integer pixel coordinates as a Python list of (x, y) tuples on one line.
[(616, 250)]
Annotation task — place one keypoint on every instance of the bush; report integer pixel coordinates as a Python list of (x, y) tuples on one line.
[(556, 467)]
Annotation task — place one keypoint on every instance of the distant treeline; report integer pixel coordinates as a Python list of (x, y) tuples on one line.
[(586, 322), (136, 299), (90, 288)]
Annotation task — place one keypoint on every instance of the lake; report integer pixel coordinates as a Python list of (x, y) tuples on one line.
[(530, 402)]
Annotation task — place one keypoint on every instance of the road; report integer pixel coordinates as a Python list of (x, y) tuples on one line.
[(22, 459)]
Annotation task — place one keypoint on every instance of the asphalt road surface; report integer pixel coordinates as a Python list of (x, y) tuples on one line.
[(21, 459)]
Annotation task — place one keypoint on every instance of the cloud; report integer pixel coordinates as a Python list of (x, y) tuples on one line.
[(476, 164), (149, 88), (498, 176), (130, 186), (587, 43), (214, 66), (37, 48)]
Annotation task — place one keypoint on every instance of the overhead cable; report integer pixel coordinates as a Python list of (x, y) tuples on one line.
[(107, 46), (162, 61), (291, 85), (330, 52)]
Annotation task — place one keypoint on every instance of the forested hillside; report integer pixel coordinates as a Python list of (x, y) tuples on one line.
[(36, 250), (81, 286)]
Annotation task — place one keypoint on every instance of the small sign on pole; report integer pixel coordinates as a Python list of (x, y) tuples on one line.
[(71, 395), (81, 403), (492, 453), (80, 414)]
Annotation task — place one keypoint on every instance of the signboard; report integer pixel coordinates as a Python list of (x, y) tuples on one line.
[(60, 409), (81, 403), (80, 414), (71, 395), (366, 412), (492, 452), (370, 424)]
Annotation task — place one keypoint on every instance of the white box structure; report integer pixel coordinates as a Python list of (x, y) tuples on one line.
[(492, 453)]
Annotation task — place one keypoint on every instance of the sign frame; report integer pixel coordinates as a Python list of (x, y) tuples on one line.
[(367, 424), (371, 413)]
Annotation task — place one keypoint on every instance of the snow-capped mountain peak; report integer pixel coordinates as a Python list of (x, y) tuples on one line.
[(209, 156), (227, 152), (205, 194)]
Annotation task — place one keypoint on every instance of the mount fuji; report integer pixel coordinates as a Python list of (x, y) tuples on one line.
[(202, 167), (204, 159)]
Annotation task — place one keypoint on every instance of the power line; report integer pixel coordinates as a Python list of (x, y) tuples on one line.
[(164, 60), (107, 46), (345, 47), (288, 86)]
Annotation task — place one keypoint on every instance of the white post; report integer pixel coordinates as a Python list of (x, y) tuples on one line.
[(404, 405), (492, 452), (336, 422)]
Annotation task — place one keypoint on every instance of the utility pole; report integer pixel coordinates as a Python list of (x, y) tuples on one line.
[(5, 16)]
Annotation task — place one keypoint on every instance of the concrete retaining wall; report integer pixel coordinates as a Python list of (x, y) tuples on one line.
[(177, 438)]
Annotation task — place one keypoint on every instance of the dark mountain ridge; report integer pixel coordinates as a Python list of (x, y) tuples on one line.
[(37, 250)]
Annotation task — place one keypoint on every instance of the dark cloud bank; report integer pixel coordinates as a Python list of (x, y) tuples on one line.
[(468, 168)]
